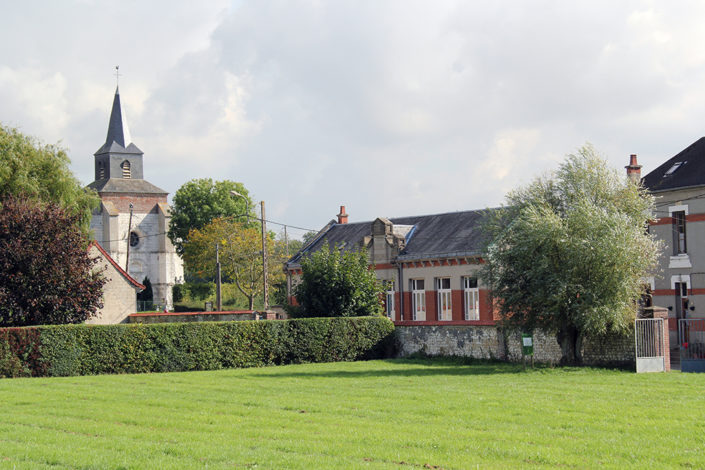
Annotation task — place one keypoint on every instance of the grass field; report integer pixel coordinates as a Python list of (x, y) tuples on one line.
[(380, 414)]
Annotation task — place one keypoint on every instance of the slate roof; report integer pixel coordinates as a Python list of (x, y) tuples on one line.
[(118, 139), (432, 236), (125, 185), (690, 173)]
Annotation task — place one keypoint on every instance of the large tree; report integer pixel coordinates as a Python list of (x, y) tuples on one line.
[(336, 283), (46, 275), (240, 249), (569, 252), (31, 169), (199, 201)]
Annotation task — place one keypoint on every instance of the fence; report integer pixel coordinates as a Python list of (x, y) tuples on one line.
[(650, 345), (691, 337)]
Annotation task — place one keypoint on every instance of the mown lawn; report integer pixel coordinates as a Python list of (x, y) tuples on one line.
[(379, 414)]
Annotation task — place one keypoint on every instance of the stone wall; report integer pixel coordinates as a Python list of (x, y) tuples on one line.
[(489, 342)]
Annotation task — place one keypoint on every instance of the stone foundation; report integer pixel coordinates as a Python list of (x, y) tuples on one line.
[(489, 342)]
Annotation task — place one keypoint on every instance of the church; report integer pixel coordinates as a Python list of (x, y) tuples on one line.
[(132, 221)]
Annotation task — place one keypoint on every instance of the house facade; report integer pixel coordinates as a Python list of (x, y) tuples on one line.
[(428, 264), (678, 186), (119, 292), (133, 218)]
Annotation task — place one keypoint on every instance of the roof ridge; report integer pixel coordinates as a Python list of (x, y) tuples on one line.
[(110, 259)]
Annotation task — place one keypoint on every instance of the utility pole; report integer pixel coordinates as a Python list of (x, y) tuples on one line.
[(218, 301), (129, 239), (286, 240), (264, 258)]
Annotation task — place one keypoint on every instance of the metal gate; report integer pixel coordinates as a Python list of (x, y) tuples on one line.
[(650, 345), (691, 338)]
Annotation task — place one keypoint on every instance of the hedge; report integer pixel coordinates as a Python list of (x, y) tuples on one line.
[(66, 350)]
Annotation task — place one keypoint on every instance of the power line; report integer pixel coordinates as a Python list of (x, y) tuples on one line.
[(164, 233)]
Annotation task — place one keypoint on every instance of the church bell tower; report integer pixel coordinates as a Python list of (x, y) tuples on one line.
[(133, 217)]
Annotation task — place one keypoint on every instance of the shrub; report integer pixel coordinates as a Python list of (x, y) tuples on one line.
[(337, 283), (65, 350), (199, 290), (177, 292)]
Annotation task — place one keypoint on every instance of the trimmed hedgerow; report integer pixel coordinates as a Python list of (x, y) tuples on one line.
[(67, 350)]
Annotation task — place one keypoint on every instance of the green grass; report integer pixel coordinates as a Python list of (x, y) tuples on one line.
[(379, 414)]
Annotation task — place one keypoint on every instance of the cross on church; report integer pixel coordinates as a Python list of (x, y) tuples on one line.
[(117, 74)]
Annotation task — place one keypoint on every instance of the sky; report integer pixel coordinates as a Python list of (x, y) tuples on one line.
[(391, 108)]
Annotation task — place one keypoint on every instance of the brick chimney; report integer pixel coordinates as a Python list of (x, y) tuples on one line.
[(343, 217), (633, 169)]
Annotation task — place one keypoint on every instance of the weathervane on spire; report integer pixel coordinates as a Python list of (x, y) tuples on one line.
[(117, 75)]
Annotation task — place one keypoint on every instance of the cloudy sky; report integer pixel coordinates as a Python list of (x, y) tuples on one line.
[(391, 108)]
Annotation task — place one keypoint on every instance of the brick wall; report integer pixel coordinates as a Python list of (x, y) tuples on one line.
[(489, 342)]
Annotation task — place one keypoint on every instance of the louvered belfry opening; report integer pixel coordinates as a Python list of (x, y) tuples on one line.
[(126, 173)]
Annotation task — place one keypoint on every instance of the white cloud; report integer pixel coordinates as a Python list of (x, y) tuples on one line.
[(392, 108)]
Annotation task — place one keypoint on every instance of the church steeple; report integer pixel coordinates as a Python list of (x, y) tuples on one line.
[(117, 128), (118, 139), (119, 157)]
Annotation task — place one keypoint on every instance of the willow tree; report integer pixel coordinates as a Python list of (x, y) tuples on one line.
[(240, 248), (569, 252), (30, 169)]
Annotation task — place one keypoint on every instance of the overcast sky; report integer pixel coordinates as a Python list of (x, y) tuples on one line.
[(392, 108)]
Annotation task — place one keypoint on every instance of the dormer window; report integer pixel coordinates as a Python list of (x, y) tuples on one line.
[(674, 168), (126, 173)]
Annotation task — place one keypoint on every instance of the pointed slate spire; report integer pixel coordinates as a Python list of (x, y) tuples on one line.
[(117, 128), (118, 139)]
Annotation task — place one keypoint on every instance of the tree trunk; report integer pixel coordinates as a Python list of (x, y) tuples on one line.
[(252, 301), (570, 341)]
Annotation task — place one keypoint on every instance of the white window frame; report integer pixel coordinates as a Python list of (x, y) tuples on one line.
[(471, 298), (389, 300), (418, 299), (444, 299)]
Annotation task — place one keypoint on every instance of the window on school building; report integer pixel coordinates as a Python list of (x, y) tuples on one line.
[(679, 241), (471, 297), (418, 300), (444, 298), (389, 299)]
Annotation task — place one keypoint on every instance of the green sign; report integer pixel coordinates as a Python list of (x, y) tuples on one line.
[(527, 344)]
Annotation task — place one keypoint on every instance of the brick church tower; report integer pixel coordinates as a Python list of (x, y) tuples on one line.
[(133, 217)]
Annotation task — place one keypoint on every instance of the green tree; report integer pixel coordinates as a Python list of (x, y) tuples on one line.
[(240, 255), (336, 283), (199, 201), (46, 275), (147, 295), (308, 237), (569, 252), (41, 172)]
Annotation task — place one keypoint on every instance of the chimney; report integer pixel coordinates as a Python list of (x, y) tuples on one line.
[(633, 169), (342, 217)]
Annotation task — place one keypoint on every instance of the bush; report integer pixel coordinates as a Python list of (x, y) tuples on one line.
[(65, 350), (199, 290), (336, 283), (177, 292)]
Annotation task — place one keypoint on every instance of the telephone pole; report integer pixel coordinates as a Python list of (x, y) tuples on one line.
[(264, 258), (218, 300), (129, 240)]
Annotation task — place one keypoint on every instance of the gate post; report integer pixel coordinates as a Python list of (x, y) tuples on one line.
[(662, 312)]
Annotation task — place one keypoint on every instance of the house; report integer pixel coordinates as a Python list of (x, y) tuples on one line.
[(119, 292), (679, 188), (133, 218), (429, 264)]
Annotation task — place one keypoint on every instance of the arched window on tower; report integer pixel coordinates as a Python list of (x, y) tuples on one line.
[(101, 170), (126, 169)]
